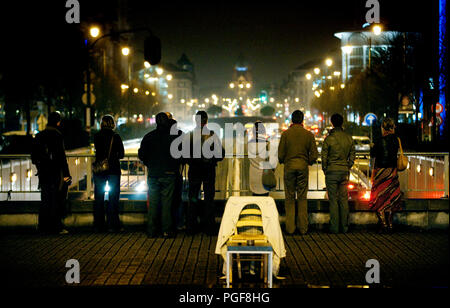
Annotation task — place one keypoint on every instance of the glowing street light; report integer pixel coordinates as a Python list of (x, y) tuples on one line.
[(308, 76), (329, 62), (347, 49), (169, 77), (241, 86), (377, 30), (159, 71), (147, 92), (94, 32), (231, 85), (135, 90), (248, 85), (147, 64), (125, 51), (124, 86), (317, 71), (337, 74), (170, 96), (342, 86)]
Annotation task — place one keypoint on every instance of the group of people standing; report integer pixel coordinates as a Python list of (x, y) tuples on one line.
[(297, 151), (165, 177)]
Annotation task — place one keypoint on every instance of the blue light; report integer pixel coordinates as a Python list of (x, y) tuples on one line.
[(241, 69), (442, 57)]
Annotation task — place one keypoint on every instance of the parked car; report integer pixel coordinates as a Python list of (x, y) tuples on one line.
[(16, 142), (362, 143)]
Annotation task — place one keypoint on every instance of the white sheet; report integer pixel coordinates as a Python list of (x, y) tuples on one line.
[(271, 226)]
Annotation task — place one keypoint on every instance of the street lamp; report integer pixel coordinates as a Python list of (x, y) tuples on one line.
[(308, 76), (94, 32), (317, 71), (126, 51), (329, 62), (347, 50), (231, 85), (377, 29), (169, 77), (147, 64)]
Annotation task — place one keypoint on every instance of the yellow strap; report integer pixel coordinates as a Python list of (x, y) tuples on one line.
[(400, 144), (249, 223), (251, 212)]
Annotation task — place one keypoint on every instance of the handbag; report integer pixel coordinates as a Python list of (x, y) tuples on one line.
[(102, 166), (402, 160), (269, 180)]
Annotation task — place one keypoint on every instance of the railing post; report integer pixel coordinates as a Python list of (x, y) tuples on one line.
[(446, 175), (89, 177)]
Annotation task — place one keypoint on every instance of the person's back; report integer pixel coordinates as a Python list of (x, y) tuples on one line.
[(338, 156), (102, 143), (385, 151), (49, 155), (155, 152), (198, 161), (297, 149), (338, 151)]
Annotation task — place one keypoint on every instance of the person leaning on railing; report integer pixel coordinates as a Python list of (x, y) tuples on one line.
[(108, 145)]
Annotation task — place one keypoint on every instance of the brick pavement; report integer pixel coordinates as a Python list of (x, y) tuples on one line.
[(130, 258)]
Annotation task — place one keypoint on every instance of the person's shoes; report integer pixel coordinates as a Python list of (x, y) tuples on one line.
[(63, 232), (168, 235), (151, 235), (118, 230)]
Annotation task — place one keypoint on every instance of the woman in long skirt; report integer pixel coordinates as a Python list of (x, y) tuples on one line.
[(385, 195)]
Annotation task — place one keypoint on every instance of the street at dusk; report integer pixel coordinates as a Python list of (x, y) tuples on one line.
[(237, 150)]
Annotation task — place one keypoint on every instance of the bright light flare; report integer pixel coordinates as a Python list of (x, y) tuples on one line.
[(125, 51), (94, 32)]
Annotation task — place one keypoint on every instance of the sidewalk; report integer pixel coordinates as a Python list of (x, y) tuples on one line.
[(412, 259)]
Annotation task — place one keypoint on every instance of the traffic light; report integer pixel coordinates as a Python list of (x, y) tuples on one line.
[(152, 50), (263, 97)]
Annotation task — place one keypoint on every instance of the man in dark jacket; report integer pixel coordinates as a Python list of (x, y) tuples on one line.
[(202, 170), (49, 156), (338, 156), (162, 169), (297, 151)]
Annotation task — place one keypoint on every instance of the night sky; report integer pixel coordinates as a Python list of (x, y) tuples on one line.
[(275, 36)]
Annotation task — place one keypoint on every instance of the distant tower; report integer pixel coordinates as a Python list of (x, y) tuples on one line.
[(185, 63), (242, 82)]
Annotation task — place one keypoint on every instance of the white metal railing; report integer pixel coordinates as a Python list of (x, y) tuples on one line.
[(426, 176)]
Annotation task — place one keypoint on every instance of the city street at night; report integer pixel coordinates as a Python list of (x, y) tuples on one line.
[(224, 153)]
